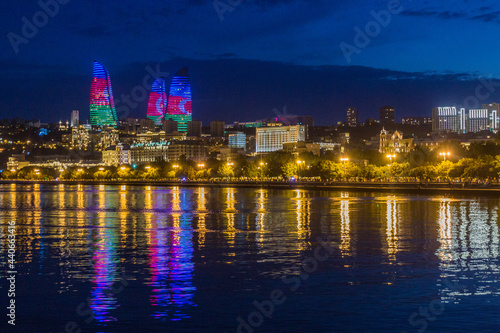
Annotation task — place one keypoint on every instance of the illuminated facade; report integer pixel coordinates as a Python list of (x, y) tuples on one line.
[(271, 138), (237, 140), (179, 106), (393, 142), (102, 106), (157, 104)]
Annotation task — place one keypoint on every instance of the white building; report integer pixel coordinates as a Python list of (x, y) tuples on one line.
[(75, 118), (269, 139), (117, 155)]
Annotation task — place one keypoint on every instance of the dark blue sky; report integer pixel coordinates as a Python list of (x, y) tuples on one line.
[(248, 59)]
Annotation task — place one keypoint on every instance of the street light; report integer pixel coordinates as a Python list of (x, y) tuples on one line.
[(390, 157), (175, 166), (344, 160), (201, 165), (262, 169), (444, 154)]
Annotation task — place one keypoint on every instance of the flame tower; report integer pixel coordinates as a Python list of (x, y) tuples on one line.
[(179, 100), (157, 104), (102, 106)]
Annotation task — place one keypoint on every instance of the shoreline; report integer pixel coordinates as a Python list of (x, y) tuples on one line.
[(408, 187)]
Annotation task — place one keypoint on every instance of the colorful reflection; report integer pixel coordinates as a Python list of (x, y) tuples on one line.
[(102, 297), (171, 255)]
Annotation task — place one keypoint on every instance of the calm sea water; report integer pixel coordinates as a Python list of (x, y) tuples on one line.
[(174, 259)]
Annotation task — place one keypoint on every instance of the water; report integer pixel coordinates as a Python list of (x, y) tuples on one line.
[(174, 259)]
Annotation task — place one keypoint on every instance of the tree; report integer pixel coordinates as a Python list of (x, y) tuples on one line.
[(289, 170), (226, 170)]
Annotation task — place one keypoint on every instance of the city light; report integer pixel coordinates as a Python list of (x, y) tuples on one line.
[(201, 165), (391, 156), (445, 154)]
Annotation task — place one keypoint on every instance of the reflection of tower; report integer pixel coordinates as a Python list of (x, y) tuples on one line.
[(102, 300), (171, 254), (345, 224)]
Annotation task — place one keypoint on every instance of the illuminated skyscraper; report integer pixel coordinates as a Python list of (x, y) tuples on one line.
[(352, 117), (75, 118), (179, 100), (157, 104), (102, 106)]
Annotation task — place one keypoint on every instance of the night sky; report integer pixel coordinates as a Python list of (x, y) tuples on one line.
[(250, 58)]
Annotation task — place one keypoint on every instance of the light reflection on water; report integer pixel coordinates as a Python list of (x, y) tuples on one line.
[(173, 239)]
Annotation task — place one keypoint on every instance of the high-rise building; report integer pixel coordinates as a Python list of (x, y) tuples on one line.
[(157, 104), (494, 115), (194, 128), (237, 140), (179, 105), (102, 106), (478, 120), (447, 119), (269, 139), (217, 129), (352, 117), (75, 118), (386, 115)]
